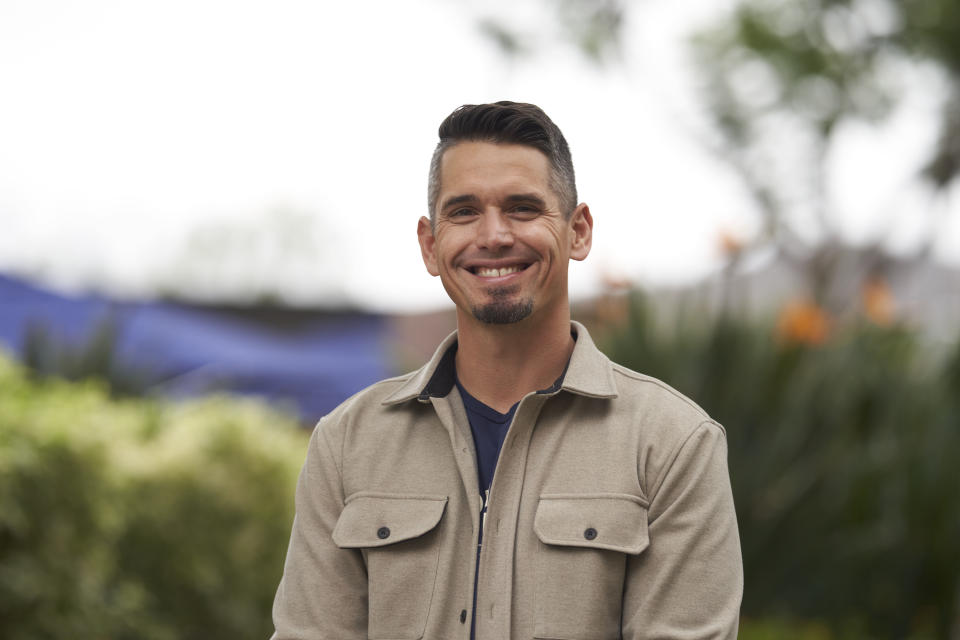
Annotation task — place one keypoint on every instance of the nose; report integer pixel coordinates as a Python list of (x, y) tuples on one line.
[(495, 231)]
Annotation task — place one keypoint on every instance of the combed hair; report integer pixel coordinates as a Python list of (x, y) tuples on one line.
[(507, 122)]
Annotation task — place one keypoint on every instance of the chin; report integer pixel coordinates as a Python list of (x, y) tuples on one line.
[(503, 312)]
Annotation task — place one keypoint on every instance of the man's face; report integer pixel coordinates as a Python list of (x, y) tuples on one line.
[(500, 242)]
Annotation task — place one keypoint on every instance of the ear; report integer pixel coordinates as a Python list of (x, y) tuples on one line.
[(581, 227), (427, 245)]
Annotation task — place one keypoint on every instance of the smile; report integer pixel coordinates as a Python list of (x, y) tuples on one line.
[(494, 272)]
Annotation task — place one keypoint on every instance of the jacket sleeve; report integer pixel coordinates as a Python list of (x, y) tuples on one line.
[(689, 582), (323, 592)]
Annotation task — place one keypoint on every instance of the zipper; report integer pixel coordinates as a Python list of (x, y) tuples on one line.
[(483, 513)]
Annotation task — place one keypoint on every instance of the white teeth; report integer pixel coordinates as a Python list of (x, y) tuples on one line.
[(485, 272)]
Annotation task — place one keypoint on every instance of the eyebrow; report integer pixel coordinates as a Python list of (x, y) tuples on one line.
[(449, 202), (511, 199), (532, 198)]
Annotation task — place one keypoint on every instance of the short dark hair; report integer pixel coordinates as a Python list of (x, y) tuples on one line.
[(507, 122)]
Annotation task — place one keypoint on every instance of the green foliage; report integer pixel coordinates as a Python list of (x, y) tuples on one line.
[(843, 460), (778, 630), (96, 357), (134, 519), (779, 76), (594, 27), (822, 60)]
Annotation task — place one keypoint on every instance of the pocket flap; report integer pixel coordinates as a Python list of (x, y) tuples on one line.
[(379, 519), (614, 521)]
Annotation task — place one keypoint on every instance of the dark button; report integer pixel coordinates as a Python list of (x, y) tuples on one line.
[(383, 533), (463, 616), (590, 533)]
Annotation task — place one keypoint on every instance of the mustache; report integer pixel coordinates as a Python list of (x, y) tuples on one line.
[(509, 254)]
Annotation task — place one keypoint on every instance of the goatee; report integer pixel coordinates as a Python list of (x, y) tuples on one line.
[(503, 310)]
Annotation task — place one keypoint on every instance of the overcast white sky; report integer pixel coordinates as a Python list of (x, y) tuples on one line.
[(224, 148)]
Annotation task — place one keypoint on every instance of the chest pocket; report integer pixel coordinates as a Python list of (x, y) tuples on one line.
[(585, 540), (399, 537)]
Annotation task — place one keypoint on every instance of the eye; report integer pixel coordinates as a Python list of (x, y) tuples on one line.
[(461, 213), (525, 211)]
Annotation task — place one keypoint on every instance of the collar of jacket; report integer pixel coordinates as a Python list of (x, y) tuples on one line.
[(589, 372)]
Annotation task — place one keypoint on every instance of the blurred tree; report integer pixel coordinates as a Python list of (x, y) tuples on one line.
[(271, 258), (594, 27), (779, 78)]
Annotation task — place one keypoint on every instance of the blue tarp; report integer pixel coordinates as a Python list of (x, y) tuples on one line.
[(313, 363)]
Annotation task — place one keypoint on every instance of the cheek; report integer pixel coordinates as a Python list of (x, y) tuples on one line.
[(558, 242), (450, 242)]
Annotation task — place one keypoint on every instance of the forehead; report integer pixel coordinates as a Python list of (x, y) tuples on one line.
[(469, 167)]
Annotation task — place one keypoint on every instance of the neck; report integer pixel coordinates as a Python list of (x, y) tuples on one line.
[(499, 364)]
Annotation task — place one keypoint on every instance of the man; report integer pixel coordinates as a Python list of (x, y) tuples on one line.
[(519, 485)]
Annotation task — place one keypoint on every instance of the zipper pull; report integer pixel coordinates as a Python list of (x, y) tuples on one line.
[(483, 512)]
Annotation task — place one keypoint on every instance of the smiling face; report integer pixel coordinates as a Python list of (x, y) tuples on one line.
[(500, 242)]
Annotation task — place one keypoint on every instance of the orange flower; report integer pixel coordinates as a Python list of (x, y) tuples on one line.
[(878, 301), (803, 321), (731, 245)]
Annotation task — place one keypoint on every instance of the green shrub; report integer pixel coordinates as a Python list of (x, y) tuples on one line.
[(843, 459), (137, 519), (780, 630)]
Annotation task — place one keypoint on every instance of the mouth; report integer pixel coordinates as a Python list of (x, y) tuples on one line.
[(498, 272)]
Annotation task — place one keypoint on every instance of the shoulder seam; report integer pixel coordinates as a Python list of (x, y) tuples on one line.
[(639, 377), (655, 489), (337, 459)]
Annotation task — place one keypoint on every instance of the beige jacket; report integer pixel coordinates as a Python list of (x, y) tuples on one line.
[(610, 515)]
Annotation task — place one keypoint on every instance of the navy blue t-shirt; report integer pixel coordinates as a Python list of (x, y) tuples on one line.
[(489, 428)]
